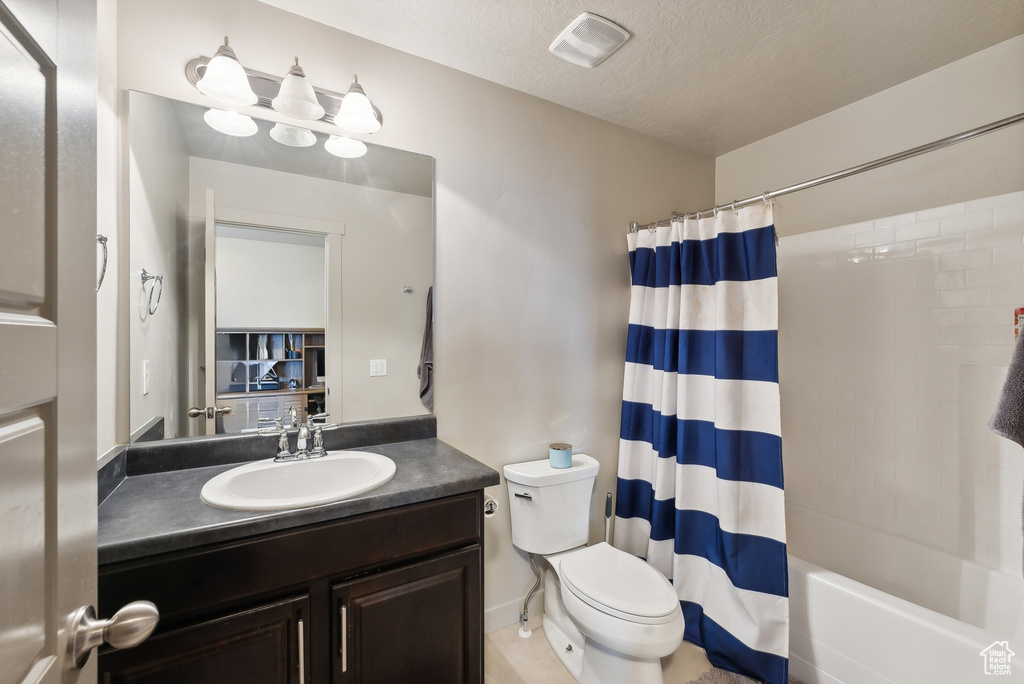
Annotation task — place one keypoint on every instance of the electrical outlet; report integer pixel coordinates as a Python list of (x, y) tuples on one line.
[(145, 377), (378, 367)]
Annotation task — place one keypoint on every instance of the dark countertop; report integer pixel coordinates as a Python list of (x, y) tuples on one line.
[(158, 512)]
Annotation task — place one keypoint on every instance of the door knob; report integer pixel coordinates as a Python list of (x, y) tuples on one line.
[(209, 412), (129, 627)]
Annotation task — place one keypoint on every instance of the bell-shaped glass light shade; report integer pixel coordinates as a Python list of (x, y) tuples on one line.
[(340, 146), (230, 123), (225, 79), (296, 97), (293, 136), (357, 114)]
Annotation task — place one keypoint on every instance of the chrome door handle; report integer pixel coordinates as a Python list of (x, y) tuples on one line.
[(129, 627), (209, 412)]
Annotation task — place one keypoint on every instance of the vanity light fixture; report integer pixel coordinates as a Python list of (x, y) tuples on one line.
[(296, 97), (230, 123), (293, 136), (357, 113), (225, 79), (292, 96), (341, 146)]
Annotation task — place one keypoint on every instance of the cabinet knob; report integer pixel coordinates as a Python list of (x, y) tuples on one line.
[(129, 627)]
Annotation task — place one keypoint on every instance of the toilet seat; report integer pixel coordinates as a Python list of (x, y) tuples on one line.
[(619, 584)]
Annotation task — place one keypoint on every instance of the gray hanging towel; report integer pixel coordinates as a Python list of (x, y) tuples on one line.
[(1008, 420), (425, 371)]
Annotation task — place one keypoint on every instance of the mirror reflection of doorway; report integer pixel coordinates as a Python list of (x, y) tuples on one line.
[(271, 318)]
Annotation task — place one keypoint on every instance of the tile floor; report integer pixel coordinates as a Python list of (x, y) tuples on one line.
[(509, 659)]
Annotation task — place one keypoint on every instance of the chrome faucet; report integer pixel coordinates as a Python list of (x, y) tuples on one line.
[(300, 444), (308, 431), (293, 413)]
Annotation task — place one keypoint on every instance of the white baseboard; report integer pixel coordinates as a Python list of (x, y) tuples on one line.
[(501, 616)]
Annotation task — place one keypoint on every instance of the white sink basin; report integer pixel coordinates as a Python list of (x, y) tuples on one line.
[(269, 486)]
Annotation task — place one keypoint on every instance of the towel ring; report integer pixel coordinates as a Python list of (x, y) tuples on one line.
[(102, 241), (159, 280)]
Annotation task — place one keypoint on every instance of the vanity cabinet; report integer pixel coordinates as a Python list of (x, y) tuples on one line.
[(389, 596)]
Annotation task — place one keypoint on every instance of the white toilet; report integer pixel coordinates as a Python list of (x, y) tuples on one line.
[(609, 616)]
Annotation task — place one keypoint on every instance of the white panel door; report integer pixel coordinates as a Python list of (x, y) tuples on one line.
[(47, 333)]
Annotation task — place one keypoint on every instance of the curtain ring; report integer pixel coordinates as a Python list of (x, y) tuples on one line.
[(764, 198), (734, 206), (652, 228), (714, 211), (633, 227)]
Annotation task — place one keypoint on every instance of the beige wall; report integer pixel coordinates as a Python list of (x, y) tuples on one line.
[(532, 206), (107, 299), (971, 92), (158, 180)]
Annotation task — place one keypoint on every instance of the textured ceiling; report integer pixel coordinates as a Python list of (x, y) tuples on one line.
[(707, 75)]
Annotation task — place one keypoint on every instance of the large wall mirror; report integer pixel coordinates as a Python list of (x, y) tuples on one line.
[(271, 279)]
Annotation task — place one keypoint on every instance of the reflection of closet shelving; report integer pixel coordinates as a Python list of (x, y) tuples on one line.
[(265, 372)]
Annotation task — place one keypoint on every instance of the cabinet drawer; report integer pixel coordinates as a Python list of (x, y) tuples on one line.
[(264, 645), (187, 583)]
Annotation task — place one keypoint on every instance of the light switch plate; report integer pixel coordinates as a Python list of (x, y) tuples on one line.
[(378, 367)]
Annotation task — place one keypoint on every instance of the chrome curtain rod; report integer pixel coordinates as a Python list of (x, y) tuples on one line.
[(852, 171)]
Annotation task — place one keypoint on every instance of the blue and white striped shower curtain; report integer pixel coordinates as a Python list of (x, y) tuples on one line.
[(700, 455)]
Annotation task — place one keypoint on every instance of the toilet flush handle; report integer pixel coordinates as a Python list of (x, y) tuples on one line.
[(528, 497)]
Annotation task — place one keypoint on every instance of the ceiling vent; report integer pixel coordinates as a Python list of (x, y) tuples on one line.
[(589, 40)]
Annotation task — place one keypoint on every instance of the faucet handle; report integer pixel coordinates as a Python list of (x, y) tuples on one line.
[(317, 416)]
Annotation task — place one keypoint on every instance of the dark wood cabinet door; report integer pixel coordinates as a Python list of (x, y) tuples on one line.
[(420, 623), (268, 644)]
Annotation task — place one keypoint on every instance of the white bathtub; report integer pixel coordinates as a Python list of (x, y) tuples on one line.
[(842, 631)]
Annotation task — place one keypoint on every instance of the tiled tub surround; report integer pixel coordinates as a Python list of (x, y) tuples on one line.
[(157, 509), (895, 337)]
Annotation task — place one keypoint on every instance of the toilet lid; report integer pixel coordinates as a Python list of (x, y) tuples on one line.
[(606, 577)]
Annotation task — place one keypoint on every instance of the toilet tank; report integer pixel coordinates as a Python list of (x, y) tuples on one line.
[(550, 507)]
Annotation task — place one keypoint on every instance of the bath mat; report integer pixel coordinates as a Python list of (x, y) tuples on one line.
[(717, 676)]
